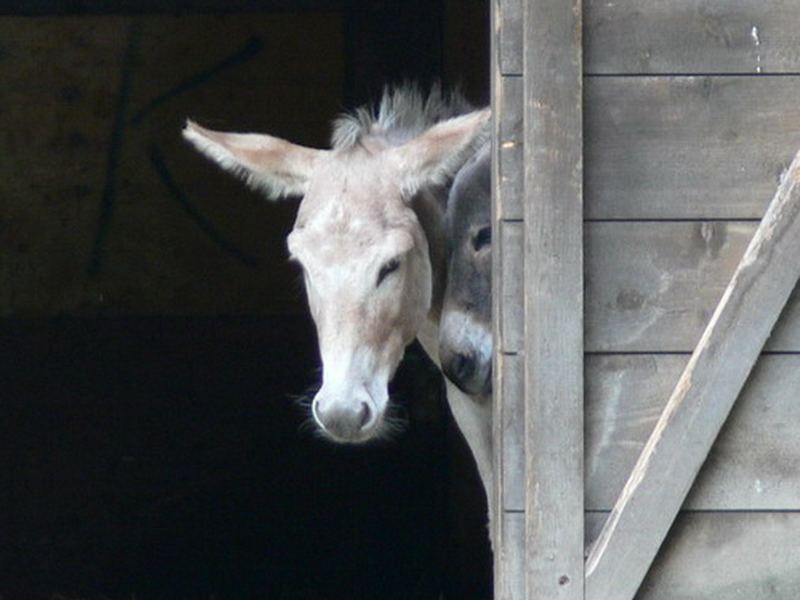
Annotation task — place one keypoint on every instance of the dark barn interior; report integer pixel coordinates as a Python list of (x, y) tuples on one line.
[(154, 337)]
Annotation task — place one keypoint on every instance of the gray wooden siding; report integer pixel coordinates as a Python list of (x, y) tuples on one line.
[(754, 462), (701, 401), (688, 147), (652, 286), (691, 118), (723, 556), (691, 36)]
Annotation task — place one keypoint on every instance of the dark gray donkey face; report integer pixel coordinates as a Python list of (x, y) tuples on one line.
[(465, 335)]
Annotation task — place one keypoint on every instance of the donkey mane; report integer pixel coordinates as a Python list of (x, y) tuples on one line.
[(403, 112)]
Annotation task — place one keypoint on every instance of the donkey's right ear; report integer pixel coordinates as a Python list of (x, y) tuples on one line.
[(271, 164)]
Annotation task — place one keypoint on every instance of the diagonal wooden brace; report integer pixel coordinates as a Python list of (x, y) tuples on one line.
[(620, 558)]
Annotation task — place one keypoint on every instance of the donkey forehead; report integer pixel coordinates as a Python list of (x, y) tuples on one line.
[(353, 204), (355, 181), (348, 243)]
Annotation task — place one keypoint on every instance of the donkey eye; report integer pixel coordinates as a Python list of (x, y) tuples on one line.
[(482, 239), (387, 269)]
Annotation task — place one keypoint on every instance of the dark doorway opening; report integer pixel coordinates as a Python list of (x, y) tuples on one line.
[(154, 335)]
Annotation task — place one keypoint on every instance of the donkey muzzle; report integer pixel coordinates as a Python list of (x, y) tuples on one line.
[(467, 370), (349, 422)]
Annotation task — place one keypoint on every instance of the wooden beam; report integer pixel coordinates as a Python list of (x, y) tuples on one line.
[(553, 216), (701, 401), (510, 559), (510, 338), (507, 31), (507, 294), (509, 147)]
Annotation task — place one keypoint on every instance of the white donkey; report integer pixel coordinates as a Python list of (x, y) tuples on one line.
[(369, 235)]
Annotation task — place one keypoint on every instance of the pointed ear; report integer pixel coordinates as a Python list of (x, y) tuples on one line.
[(271, 164), (437, 154)]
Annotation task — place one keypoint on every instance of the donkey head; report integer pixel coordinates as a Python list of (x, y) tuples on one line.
[(465, 334), (362, 248)]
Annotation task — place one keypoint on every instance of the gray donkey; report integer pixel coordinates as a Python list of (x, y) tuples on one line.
[(465, 333)]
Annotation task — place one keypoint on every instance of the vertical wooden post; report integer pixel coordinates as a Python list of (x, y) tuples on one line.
[(507, 294), (538, 299), (553, 216)]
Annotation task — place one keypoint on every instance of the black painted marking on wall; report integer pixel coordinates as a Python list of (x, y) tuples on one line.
[(96, 258), (247, 52), (205, 225)]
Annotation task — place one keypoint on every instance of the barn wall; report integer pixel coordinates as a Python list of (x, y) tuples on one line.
[(690, 121)]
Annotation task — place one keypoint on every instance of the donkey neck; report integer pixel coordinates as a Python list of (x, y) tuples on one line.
[(429, 206)]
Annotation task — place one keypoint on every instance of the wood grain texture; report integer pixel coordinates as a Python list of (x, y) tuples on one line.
[(508, 30), (509, 148), (724, 556), (507, 299), (651, 287), (700, 402), (692, 36), (512, 422), (510, 559), (753, 465), (687, 147), (511, 285), (553, 213)]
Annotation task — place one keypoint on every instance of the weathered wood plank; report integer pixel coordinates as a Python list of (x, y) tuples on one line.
[(510, 559), (692, 36), (511, 285), (507, 299), (553, 213), (700, 402), (511, 420), (754, 463), (508, 30), (651, 287), (495, 497), (687, 147), (724, 556), (509, 148)]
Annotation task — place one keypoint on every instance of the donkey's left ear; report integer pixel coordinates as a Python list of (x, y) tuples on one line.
[(437, 154), (275, 166)]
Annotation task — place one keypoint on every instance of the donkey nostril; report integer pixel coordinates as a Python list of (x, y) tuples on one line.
[(364, 415), (465, 366)]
